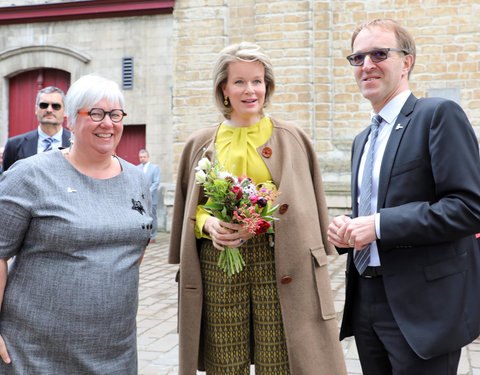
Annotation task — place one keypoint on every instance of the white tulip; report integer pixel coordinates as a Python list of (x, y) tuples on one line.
[(203, 164), (200, 177), (224, 174)]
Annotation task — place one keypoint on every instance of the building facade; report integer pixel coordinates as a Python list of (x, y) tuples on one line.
[(83, 37), (174, 45), (308, 41)]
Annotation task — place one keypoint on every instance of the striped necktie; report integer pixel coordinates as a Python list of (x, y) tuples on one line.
[(362, 258), (48, 143)]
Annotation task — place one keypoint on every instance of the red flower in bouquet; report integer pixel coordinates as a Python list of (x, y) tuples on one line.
[(262, 226), (235, 200), (237, 190)]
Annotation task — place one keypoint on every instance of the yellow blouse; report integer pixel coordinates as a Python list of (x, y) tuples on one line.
[(237, 151)]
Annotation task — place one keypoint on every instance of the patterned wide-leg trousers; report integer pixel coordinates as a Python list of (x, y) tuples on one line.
[(241, 313)]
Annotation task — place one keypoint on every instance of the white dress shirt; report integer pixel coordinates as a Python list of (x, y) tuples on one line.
[(42, 136), (389, 115)]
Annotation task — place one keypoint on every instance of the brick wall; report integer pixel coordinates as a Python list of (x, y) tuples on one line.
[(308, 41)]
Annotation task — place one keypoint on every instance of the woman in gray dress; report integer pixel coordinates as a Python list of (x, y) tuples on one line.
[(77, 222)]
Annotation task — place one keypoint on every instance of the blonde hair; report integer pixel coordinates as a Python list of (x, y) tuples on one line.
[(244, 51)]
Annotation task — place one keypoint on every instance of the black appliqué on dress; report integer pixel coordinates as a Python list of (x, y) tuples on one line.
[(137, 205)]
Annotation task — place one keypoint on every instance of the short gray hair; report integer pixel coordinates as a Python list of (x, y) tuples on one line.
[(244, 51), (50, 90), (89, 90)]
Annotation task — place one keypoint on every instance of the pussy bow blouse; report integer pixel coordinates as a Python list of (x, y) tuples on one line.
[(237, 151)]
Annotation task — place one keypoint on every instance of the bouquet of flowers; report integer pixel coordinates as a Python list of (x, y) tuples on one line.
[(234, 199)]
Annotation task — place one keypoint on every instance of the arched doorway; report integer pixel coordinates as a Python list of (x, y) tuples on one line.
[(23, 89)]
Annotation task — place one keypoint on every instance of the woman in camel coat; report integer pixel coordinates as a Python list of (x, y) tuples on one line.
[(300, 252)]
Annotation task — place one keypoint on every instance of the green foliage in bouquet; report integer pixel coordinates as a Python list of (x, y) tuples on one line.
[(234, 199)]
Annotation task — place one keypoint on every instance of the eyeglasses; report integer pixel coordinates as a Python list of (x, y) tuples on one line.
[(98, 114), (55, 106), (376, 55)]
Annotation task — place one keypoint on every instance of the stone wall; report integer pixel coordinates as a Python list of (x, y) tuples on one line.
[(308, 41), (97, 46)]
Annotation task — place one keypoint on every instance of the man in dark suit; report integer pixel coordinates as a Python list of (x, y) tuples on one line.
[(413, 266), (49, 135), (152, 173)]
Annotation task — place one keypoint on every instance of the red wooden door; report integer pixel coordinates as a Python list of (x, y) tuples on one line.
[(132, 141), (23, 89)]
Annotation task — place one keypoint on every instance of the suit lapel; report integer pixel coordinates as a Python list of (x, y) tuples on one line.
[(357, 151), (66, 138), (29, 145), (398, 130)]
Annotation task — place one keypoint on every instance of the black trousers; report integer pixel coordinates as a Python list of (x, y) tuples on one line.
[(381, 346)]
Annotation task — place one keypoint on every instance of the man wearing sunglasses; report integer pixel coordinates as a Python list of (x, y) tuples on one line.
[(413, 266), (49, 135)]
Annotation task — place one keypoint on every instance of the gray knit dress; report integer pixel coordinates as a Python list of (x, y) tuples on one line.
[(72, 292)]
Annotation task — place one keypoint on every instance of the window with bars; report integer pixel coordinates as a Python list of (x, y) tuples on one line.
[(127, 73)]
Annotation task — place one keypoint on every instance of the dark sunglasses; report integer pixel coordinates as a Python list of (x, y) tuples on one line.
[(376, 55), (55, 106)]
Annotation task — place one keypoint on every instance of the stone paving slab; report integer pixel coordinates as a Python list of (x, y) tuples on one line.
[(157, 316)]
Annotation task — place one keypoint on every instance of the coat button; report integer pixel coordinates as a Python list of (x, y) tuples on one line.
[(283, 208), (267, 152), (286, 279)]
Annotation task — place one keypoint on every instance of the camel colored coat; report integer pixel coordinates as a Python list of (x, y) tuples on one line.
[(301, 250)]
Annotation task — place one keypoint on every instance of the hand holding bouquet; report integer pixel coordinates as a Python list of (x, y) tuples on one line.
[(235, 199)]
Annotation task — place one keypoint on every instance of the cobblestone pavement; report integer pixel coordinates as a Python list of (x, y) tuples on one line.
[(157, 320)]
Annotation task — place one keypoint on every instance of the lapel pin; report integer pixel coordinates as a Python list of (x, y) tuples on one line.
[(70, 190), (399, 126)]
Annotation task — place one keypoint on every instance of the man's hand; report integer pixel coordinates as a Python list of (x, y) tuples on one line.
[(333, 229), (358, 232)]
